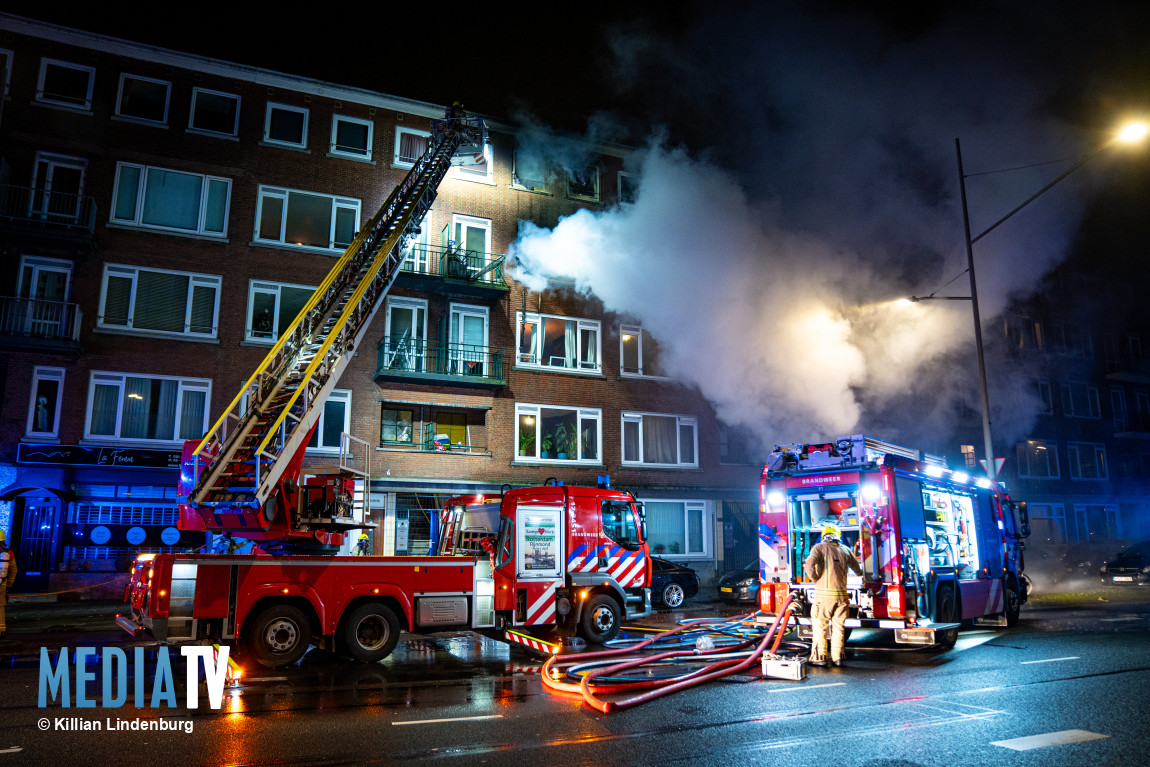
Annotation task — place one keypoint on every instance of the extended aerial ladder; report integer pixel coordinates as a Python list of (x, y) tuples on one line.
[(243, 476)]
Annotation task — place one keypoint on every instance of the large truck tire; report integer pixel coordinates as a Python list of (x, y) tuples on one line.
[(600, 620), (1013, 599), (946, 611), (279, 635), (370, 632)]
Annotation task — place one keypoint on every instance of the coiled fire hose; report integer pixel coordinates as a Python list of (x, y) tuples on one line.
[(735, 651)]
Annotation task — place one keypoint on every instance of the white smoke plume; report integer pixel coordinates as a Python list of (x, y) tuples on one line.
[(767, 259)]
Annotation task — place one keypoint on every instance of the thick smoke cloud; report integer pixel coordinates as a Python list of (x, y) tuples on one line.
[(820, 184)]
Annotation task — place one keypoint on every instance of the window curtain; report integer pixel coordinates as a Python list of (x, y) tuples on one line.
[(192, 414), (172, 199), (105, 402), (665, 527), (659, 439), (137, 404), (569, 353)]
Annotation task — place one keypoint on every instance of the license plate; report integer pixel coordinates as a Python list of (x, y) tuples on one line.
[(726, 590), (1123, 578)]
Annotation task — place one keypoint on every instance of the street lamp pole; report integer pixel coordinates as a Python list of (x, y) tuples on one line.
[(987, 444)]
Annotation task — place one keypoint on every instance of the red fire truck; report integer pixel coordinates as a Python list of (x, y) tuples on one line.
[(936, 546), (574, 558)]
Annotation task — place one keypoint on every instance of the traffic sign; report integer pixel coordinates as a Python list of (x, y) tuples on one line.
[(998, 463)]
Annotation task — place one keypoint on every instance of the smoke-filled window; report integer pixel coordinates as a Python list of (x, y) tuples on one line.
[(638, 352), (628, 188), (583, 184), (529, 172)]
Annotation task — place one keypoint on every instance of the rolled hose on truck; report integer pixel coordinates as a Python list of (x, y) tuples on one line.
[(604, 672)]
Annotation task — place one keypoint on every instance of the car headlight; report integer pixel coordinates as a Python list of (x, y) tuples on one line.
[(745, 583), (1103, 567), (1146, 569)]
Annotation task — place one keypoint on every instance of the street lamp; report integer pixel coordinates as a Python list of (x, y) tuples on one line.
[(1132, 133)]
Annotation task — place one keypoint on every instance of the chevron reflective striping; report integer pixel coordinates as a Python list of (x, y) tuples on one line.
[(531, 642), (542, 610)]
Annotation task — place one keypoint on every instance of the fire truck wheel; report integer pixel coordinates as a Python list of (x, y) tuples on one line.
[(946, 612), (1013, 602), (600, 622), (280, 635), (672, 595), (370, 632)]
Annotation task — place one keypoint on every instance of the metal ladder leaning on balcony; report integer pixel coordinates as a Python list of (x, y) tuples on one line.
[(259, 439)]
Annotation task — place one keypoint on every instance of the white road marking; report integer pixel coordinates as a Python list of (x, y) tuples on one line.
[(453, 719), (12, 750), (1049, 739), (807, 687), (1049, 660)]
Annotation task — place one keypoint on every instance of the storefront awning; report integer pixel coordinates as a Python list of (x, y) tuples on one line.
[(14, 492)]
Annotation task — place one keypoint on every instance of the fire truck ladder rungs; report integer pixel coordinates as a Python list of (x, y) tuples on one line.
[(267, 422)]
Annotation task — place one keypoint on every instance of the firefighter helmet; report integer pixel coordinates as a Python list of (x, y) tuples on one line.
[(831, 532), (363, 536)]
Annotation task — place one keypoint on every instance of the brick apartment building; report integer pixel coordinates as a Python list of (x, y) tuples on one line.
[(163, 216)]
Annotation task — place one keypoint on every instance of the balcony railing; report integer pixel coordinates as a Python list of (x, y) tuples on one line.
[(471, 266), (55, 211), (39, 320), (406, 357)]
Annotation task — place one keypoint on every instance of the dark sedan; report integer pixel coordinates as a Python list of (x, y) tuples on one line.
[(741, 585), (671, 583), (1130, 567)]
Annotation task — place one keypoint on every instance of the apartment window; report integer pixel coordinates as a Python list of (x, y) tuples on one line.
[(1080, 401), (478, 172), (734, 444), (333, 421), (44, 279), (564, 343), (654, 439), (677, 527), (1046, 397), (44, 405), (351, 137), (1047, 522), (292, 217), (1140, 420), (638, 353), (65, 84), (451, 428), (159, 301), (467, 340), (555, 433), (405, 334), (286, 125), (171, 200), (410, 145), (1037, 459), (395, 426), (1110, 356), (271, 308), (150, 408), (418, 255), (215, 112), (142, 98), (529, 172), (968, 457), (6, 63), (1118, 407), (1096, 523), (1134, 346), (628, 188), (583, 184), (1087, 460), (58, 184)]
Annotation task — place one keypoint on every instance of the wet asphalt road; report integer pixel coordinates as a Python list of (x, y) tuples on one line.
[(461, 698)]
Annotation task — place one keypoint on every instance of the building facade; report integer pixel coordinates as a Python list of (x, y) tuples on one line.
[(163, 216)]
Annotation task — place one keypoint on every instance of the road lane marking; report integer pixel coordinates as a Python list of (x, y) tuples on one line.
[(1049, 739), (807, 687), (1049, 660), (452, 719)]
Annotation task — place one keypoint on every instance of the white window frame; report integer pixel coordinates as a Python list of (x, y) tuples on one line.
[(135, 118), (457, 357), (516, 183), (267, 139), (337, 395), (534, 359), (416, 359), (42, 264), (1075, 465), (1055, 512), (1095, 405), (334, 151), (635, 330), (635, 416), (619, 186), (42, 98), (1047, 403), (707, 513), (1082, 521), (1052, 453), (141, 189), (396, 161), (468, 172), (207, 131), (42, 373), (264, 286), (283, 194), (534, 410), (119, 379), (131, 273), (586, 198), (7, 71)]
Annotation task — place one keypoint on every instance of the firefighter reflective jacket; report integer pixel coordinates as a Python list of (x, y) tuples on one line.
[(827, 565)]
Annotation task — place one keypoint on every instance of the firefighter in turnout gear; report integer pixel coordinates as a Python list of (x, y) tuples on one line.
[(827, 566), (7, 577)]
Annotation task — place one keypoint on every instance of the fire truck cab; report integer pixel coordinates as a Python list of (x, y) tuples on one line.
[(936, 546)]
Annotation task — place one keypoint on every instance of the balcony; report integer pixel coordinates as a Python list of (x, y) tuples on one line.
[(28, 323), (434, 442), (35, 216), (464, 364), (468, 272)]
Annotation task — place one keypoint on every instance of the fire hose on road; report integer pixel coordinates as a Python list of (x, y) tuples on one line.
[(709, 649)]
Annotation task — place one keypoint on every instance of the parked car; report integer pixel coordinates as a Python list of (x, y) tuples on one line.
[(741, 585), (671, 583), (1129, 567)]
